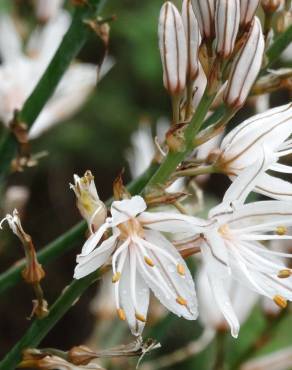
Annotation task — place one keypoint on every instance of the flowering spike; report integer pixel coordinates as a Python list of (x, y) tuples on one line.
[(193, 39), (246, 67), (205, 13), (248, 9), (173, 49), (226, 24)]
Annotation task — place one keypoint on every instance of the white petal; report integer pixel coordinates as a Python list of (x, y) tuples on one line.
[(177, 284), (10, 42), (219, 287), (243, 184), (205, 13), (94, 239), (274, 187), (247, 11), (172, 222), (278, 167), (142, 294), (91, 262), (123, 210)]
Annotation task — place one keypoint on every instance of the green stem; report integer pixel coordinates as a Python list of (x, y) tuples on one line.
[(40, 327), (201, 170), (279, 45), (173, 159), (69, 48), (220, 351)]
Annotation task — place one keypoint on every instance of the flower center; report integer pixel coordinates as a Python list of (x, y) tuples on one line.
[(224, 231), (130, 228)]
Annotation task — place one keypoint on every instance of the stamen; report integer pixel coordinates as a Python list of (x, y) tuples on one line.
[(281, 230), (116, 277), (149, 261), (280, 301), (140, 317), (224, 230), (285, 273), (121, 314), (181, 269), (180, 300)]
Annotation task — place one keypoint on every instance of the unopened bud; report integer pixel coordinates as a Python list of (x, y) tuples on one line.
[(248, 9), (205, 14), (193, 39), (226, 24), (92, 209), (15, 197), (33, 273), (173, 49), (270, 6), (47, 9), (246, 67)]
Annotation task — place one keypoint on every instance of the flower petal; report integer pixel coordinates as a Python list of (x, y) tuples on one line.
[(274, 187), (123, 210), (142, 297), (94, 239), (91, 262), (175, 290)]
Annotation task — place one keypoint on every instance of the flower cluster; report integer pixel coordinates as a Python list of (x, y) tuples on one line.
[(210, 45)]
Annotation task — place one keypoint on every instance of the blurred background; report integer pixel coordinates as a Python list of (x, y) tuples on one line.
[(97, 138)]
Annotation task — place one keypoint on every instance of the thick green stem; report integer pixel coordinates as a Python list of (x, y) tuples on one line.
[(40, 327), (173, 159), (69, 48)]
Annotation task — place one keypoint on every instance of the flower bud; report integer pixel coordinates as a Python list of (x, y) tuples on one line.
[(47, 9), (246, 67), (227, 18), (173, 49), (248, 9), (193, 39), (92, 209), (270, 6), (205, 14)]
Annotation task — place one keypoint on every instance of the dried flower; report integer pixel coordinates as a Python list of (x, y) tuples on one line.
[(92, 209), (173, 49), (193, 39), (248, 9), (245, 68), (55, 363), (226, 24), (205, 14), (142, 258)]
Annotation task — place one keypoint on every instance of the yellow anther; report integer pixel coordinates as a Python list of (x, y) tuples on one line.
[(283, 274), (121, 314), (224, 230), (140, 317), (281, 230), (180, 300), (181, 269), (280, 301), (116, 277), (149, 261)]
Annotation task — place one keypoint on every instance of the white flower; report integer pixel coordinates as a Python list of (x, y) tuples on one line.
[(173, 49), (226, 25), (246, 67), (241, 149), (142, 258), (92, 209), (47, 9), (233, 247), (20, 72)]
